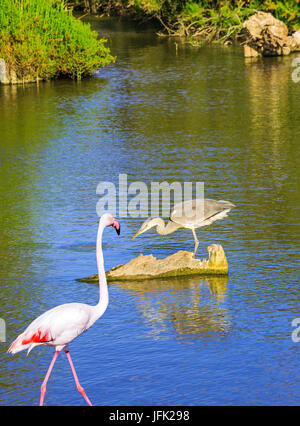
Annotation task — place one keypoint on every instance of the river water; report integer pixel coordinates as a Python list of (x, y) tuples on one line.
[(164, 111)]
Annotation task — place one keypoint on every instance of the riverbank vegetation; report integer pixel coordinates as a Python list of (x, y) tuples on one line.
[(208, 19), (40, 39)]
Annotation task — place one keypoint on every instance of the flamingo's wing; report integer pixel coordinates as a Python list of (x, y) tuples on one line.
[(58, 326)]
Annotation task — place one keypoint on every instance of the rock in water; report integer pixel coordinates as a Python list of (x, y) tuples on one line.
[(177, 264), (267, 36), (295, 40)]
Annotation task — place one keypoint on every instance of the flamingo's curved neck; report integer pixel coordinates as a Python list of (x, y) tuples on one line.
[(103, 290)]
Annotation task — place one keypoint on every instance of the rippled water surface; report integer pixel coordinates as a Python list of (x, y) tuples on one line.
[(162, 111)]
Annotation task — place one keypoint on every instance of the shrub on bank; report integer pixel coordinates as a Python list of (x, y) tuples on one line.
[(210, 19), (41, 39)]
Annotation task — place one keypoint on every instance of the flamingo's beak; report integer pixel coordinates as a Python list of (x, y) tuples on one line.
[(117, 226)]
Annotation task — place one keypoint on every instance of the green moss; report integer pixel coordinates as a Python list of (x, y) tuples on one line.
[(178, 273)]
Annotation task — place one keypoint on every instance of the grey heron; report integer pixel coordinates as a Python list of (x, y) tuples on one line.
[(190, 214)]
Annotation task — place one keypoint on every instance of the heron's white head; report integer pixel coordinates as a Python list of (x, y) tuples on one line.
[(148, 224), (108, 220)]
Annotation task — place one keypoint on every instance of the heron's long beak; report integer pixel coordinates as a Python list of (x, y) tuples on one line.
[(138, 233)]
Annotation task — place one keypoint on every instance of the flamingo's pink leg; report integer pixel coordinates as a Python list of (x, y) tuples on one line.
[(78, 385), (44, 384)]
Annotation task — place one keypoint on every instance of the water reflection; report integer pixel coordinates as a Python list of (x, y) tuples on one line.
[(191, 306), (269, 98), (273, 141)]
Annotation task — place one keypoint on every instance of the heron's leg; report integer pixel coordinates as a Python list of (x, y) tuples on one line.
[(44, 384), (196, 242), (78, 385)]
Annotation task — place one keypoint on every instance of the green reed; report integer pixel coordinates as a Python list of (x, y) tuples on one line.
[(41, 39)]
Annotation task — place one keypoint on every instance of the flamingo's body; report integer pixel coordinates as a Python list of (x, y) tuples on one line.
[(62, 324), (56, 327)]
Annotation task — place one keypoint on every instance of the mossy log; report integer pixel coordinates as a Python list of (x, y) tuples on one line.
[(180, 263)]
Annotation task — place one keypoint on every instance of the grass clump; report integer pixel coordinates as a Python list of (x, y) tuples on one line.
[(41, 39)]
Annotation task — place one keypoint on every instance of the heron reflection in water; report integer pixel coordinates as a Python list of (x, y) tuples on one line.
[(183, 306), (190, 214)]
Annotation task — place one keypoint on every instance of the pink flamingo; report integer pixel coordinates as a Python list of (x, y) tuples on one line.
[(62, 324)]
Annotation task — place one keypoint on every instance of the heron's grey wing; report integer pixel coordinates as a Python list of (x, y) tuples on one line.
[(188, 213), (199, 212), (214, 207)]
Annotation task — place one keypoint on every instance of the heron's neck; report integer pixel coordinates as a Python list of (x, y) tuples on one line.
[(163, 229), (103, 290)]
